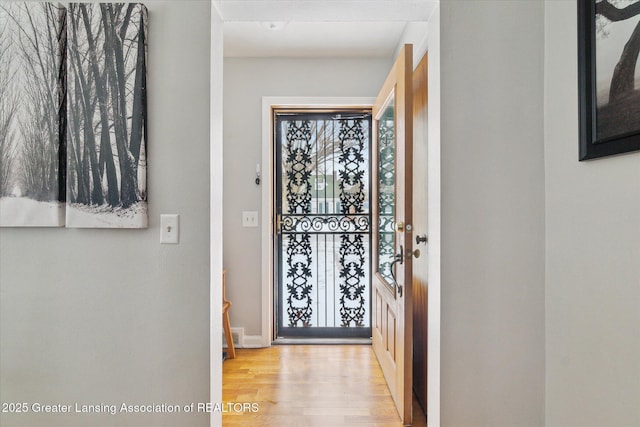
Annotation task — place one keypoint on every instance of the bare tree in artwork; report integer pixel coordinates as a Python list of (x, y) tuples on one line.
[(619, 112), (83, 162), (107, 107)]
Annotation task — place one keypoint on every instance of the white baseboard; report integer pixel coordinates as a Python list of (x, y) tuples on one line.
[(253, 341), (240, 340)]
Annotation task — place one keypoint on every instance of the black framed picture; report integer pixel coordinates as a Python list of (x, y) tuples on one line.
[(609, 77)]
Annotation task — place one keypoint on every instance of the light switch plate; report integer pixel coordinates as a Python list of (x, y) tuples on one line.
[(170, 228), (249, 219)]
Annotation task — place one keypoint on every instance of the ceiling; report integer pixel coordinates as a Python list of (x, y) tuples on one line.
[(321, 28)]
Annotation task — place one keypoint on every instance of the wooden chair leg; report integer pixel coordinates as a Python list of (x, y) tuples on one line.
[(231, 350), (226, 323)]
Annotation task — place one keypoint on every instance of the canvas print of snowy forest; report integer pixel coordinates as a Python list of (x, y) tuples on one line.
[(106, 120), (32, 114)]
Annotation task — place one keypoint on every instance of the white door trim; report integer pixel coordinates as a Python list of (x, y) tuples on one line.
[(215, 213), (268, 103)]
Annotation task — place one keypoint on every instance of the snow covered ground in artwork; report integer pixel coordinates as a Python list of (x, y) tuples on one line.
[(83, 216), (24, 212)]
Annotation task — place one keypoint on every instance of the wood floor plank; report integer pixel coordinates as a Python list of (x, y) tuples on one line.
[(309, 385)]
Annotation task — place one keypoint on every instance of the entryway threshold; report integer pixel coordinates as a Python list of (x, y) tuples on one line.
[(321, 341)]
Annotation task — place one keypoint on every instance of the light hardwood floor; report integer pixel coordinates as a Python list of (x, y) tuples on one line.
[(309, 385)]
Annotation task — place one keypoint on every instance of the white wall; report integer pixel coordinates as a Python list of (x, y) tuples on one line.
[(111, 316), (492, 212), (247, 80), (592, 256)]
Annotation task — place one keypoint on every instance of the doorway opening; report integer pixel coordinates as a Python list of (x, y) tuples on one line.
[(259, 67), (323, 223)]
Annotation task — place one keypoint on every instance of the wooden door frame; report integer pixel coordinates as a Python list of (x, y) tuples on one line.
[(420, 226)]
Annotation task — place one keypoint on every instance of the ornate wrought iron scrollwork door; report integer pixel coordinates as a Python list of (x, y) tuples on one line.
[(324, 224)]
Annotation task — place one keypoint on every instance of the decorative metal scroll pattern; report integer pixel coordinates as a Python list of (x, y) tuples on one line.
[(357, 223), (298, 167), (352, 251), (299, 299), (298, 194), (386, 196)]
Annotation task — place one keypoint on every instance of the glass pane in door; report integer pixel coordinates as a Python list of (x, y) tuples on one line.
[(386, 193)]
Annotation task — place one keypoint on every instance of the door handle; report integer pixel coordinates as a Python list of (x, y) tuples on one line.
[(397, 258)]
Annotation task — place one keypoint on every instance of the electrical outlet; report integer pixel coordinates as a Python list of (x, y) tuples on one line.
[(249, 219)]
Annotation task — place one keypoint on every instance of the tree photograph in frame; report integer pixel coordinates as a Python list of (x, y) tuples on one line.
[(609, 77)]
